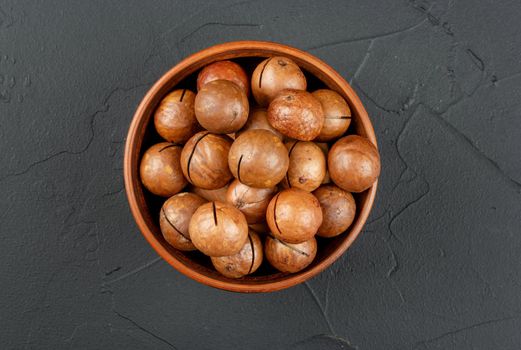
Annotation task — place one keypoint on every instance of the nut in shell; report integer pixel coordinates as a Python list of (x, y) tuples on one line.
[(175, 216), (258, 158), (245, 262), (307, 166), (325, 149), (160, 169), (218, 229), (204, 160), (174, 119), (217, 195), (221, 107), (353, 163), (258, 119), (287, 257), (296, 114), (273, 75), (224, 70), (338, 210), (294, 215), (337, 114), (251, 201)]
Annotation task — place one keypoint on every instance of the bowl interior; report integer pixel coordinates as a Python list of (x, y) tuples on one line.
[(146, 206)]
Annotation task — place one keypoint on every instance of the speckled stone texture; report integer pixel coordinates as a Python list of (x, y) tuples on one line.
[(437, 267)]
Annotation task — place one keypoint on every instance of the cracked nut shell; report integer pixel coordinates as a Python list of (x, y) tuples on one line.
[(296, 114), (258, 158), (251, 201), (174, 119), (338, 210), (175, 216), (287, 257), (337, 114), (160, 169), (245, 262), (218, 229), (307, 166), (224, 70), (273, 75), (353, 163), (204, 160), (221, 107), (294, 215)]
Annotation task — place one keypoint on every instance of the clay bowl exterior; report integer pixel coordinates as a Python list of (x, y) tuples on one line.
[(145, 210)]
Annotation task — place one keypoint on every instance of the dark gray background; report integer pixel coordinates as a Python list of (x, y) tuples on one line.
[(437, 267)]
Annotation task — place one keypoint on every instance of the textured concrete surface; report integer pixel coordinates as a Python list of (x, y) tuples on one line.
[(437, 267)]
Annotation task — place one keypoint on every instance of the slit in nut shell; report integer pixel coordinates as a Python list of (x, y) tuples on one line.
[(175, 216), (294, 215), (274, 75), (174, 119), (337, 115), (307, 166), (245, 262), (251, 201), (160, 170), (287, 257), (204, 160), (218, 229), (258, 158)]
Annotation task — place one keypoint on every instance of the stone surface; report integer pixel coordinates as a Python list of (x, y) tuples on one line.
[(437, 267)]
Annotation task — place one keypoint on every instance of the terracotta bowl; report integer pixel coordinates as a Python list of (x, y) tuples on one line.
[(145, 207)]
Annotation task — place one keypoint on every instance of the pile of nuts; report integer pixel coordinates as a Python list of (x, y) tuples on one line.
[(262, 181)]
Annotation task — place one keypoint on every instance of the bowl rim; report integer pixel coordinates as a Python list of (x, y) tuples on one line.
[(130, 177)]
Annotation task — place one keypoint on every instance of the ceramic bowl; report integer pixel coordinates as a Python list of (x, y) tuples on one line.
[(145, 207)]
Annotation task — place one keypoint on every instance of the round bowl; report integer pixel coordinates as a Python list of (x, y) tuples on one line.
[(145, 207)]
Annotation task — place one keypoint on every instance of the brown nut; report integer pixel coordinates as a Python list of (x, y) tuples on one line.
[(251, 201), (338, 210), (224, 70), (325, 149), (307, 166), (273, 75), (258, 159), (337, 114), (258, 119), (218, 195), (294, 215), (353, 163), (218, 229), (245, 262), (296, 114), (175, 216), (287, 257), (160, 169), (260, 227), (221, 107), (174, 119), (204, 160)]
